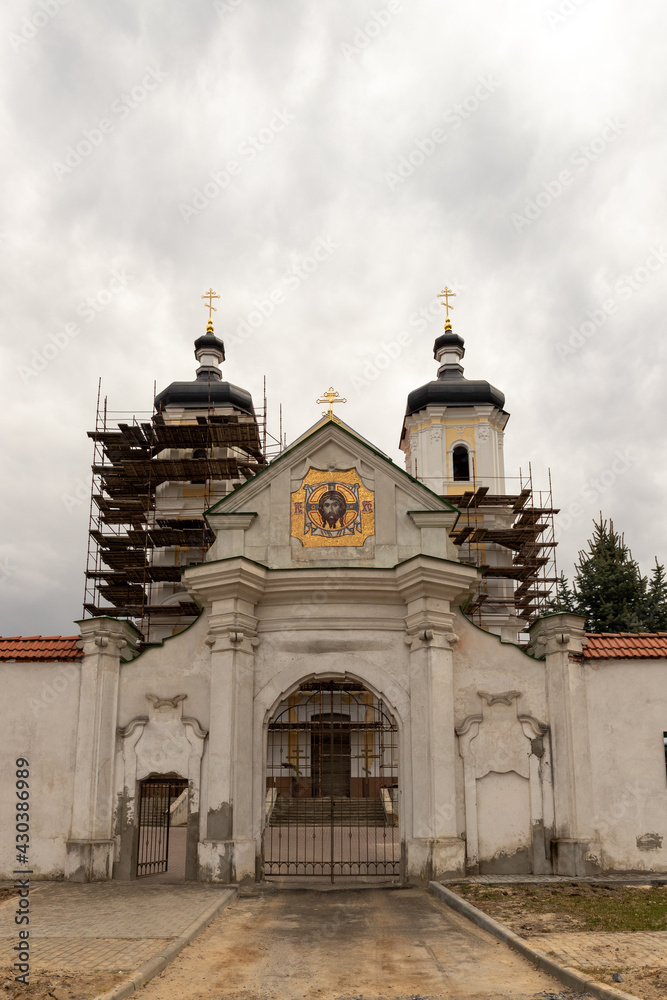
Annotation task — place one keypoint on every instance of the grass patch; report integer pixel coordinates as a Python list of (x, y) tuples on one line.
[(572, 906)]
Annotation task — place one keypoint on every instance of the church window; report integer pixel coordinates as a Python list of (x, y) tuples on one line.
[(199, 453), (461, 463)]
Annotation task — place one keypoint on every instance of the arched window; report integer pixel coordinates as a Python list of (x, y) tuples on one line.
[(461, 463)]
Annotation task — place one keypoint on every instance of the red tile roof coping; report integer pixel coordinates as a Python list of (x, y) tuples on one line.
[(625, 645), (600, 646), (40, 647)]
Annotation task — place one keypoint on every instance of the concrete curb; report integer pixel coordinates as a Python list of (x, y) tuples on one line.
[(155, 965), (568, 977)]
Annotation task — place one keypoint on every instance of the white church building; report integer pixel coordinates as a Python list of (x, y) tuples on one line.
[(332, 712)]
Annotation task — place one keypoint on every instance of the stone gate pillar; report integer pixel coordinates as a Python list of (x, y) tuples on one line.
[(559, 639), (434, 847), (90, 847), (231, 588)]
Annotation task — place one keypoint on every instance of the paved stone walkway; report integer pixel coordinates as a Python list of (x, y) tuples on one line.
[(604, 950), (104, 926)]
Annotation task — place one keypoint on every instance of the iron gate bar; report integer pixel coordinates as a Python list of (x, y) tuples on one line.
[(314, 793), (154, 823), (287, 726)]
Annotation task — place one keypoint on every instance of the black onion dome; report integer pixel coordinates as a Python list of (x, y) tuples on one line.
[(452, 389), (205, 391), (210, 341), (448, 340)]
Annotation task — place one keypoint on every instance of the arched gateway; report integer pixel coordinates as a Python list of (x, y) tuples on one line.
[(331, 805)]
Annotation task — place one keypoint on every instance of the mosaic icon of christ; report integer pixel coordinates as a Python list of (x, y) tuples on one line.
[(332, 508)]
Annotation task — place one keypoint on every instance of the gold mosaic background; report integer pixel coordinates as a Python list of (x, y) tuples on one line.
[(317, 477)]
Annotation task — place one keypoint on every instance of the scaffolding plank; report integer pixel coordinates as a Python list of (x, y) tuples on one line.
[(521, 500)]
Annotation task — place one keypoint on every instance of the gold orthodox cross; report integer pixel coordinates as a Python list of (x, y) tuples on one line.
[(210, 295), (330, 397), (368, 757), (445, 294), (293, 760)]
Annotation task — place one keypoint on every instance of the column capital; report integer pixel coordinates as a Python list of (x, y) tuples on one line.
[(223, 639), (108, 635), (557, 633), (434, 636)]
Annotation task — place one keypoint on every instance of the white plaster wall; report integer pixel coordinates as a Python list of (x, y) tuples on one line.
[(180, 665), (627, 705), (484, 662), (42, 727), (503, 816)]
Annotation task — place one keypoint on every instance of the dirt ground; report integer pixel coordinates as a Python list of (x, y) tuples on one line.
[(531, 910), (343, 945), (553, 908), (57, 986), (53, 985)]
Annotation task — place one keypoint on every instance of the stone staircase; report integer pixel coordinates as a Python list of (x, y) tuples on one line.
[(317, 812)]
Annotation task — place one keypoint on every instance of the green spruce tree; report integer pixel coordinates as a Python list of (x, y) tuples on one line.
[(564, 599), (654, 618), (609, 590)]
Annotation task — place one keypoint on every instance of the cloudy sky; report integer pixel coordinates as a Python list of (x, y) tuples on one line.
[(327, 168)]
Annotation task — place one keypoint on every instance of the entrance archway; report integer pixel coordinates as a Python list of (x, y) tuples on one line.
[(162, 827), (331, 804)]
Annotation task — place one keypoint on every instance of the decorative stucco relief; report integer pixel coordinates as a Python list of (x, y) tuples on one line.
[(163, 742), (500, 740)]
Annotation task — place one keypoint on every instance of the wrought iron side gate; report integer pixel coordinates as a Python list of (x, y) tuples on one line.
[(155, 799), (332, 782)]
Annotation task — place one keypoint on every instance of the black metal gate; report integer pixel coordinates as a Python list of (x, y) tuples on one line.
[(331, 804), (156, 797)]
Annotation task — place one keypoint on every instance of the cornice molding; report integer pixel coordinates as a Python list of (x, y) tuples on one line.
[(226, 579), (416, 579), (235, 521), (425, 576), (433, 518), (319, 623)]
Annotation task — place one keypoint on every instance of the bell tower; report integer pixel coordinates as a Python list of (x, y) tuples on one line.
[(452, 439), (152, 482), (453, 427)]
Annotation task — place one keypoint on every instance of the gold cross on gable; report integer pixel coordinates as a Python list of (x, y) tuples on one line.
[(445, 294), (330, 397), (210, 295)]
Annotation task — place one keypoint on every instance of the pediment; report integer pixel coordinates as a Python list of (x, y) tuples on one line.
[(331, 497)]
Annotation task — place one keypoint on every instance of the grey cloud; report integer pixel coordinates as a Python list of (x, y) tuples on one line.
[(325, 174)]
